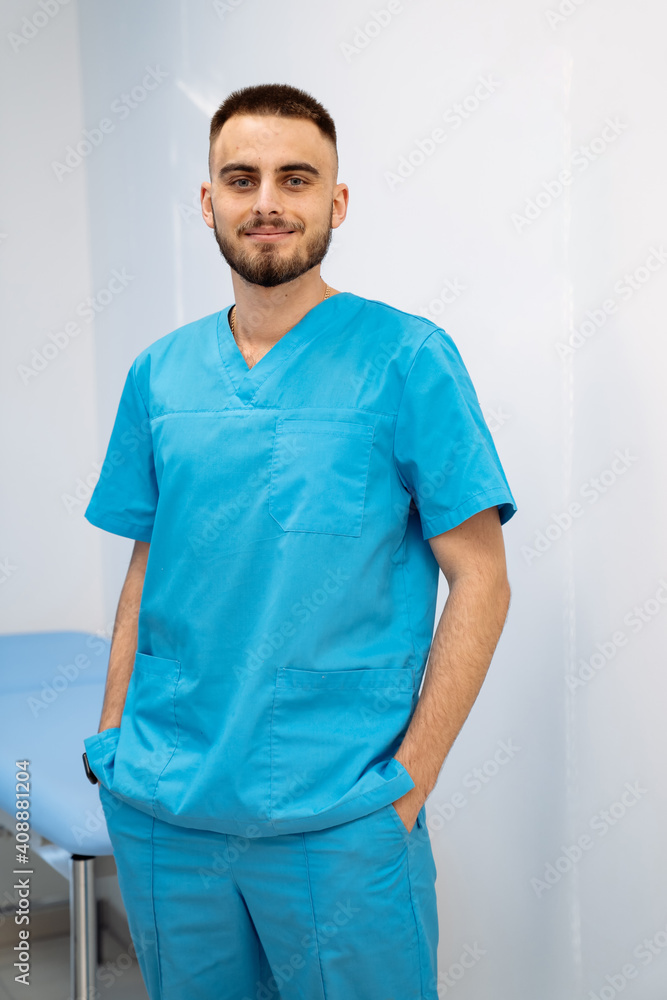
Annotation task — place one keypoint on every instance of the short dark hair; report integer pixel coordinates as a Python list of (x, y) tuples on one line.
[(273, 99)]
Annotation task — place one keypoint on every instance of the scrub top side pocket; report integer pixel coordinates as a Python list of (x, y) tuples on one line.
[(319, 470), (100, 749), (149, 730), (329, 728)]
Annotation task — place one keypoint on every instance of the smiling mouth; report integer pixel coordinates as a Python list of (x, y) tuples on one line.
[(273, 237)]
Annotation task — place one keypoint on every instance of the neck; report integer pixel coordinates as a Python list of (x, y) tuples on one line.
[(261, 316)]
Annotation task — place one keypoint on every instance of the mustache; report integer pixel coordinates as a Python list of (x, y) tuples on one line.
[(270, 225)]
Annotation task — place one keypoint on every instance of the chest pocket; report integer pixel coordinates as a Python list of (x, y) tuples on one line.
[(318, 477)]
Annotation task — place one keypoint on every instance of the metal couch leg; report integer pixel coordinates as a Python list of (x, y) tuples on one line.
[(83, 927)]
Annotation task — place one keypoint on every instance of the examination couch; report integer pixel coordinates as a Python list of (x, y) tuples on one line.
[(51, 693)]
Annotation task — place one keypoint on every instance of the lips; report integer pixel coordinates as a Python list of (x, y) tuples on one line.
[(269, 235), (267, 231)]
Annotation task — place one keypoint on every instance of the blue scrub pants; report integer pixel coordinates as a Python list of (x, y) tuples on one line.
[(346, 913)]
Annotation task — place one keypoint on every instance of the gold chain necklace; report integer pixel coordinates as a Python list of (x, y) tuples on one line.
[(232, 318)]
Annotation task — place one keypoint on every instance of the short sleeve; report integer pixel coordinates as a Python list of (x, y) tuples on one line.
[(443, 449), (125, 497)]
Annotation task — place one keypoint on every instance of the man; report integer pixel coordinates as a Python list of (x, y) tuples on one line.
[(295, 469)]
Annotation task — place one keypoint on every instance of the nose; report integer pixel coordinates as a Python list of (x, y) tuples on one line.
[(268, 200)]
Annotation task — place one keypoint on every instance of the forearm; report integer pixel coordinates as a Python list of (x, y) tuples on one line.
[(124, 639), (461, 652)]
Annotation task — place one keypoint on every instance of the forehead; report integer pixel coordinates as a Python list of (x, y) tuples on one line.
[(267, 140)]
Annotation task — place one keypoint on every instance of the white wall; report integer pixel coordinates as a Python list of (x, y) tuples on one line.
[(558, 419), (50, 570)]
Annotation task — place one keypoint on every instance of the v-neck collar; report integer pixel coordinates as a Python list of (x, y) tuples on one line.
[(246, 381)]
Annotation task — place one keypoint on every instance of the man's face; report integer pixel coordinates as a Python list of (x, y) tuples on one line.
[(274, 201)]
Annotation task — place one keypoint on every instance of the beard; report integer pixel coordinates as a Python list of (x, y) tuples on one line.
[(267, 264)]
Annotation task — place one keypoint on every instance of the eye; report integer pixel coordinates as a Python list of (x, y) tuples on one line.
[(299, 179), (239, 179)]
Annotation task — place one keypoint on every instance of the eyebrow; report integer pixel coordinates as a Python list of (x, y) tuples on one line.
[(249, 168)]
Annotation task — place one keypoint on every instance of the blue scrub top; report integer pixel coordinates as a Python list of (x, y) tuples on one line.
[(290, 591)]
